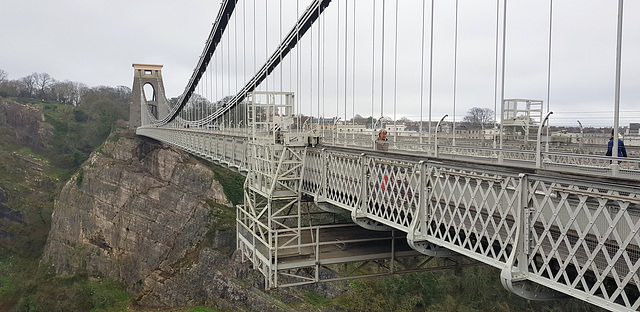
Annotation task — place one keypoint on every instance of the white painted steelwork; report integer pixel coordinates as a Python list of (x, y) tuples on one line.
[(573, 235), (555, 223)]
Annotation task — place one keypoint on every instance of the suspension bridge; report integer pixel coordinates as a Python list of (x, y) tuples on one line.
[(322, 191)]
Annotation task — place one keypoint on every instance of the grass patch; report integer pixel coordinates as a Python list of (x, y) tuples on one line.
[(114, 137), (315, 299), (203, 309), (109, 296), (41, 291), (221, 217), (232, 182), (80, 177), (59, 174)]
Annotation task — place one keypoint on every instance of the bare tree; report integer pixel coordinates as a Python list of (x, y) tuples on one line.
[(479, 116), (63, 92), (358, 120), (43, 82), (11, 88), (3, 76), (29, 83), (80, 90)]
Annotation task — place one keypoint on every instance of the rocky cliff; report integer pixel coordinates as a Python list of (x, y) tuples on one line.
[(27, 121), (149, 215), (27, 188)]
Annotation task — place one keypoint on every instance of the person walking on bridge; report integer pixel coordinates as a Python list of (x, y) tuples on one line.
[(381, 142), (622, 151)]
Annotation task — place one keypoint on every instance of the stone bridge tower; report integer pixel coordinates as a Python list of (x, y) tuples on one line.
[(147, 88)]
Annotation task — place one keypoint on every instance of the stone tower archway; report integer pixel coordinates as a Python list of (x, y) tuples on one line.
[(145, 75)]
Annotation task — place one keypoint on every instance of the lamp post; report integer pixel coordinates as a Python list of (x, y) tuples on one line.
[(436, 136), (538, 151), (616, 113), (580, 144), (335, 128)]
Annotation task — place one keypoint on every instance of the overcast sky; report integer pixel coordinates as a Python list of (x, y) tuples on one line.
[(96, 41)]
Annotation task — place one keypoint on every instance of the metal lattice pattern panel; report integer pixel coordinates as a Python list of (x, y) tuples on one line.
[(466, 151), (312, 177), (344, 179), (391, 194), (473, 211), (586, 239), (262, 169), (231, 151), (599, 165)]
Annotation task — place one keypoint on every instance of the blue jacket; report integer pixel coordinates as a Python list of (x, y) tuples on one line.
[(622, 152)]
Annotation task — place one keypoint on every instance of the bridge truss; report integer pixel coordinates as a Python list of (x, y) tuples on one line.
[(554, 223)]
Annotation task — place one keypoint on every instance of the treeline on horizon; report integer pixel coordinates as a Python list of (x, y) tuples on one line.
[(43, 87)]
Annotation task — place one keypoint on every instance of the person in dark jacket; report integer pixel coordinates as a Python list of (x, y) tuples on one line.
[(622, 152)]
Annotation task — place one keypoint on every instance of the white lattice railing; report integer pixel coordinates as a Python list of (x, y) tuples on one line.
[(231, 148), (578, 238)]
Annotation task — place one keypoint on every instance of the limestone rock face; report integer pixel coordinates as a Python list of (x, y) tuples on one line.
[(28, 122), (137, 212)]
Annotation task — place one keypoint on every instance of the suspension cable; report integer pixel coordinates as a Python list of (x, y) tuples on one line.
[(280, 40), (338, 67), (321, 53), (222, 78), (235, 33), (266, 41), (424, 7), (431, 68), (395, 78), (455, 74), (495, 77), (244, 41), (255, 68), (504, 44), (297, 98), (215, 70), (373, 66), (311, 74), (382, 66), (353, 73), (235, 47), (346, 50), (549, 69), (229, 57)]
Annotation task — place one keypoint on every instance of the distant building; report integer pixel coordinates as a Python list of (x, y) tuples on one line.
[(394, 128), (563, 137), (350, 128), (476, 132), (320, 124)]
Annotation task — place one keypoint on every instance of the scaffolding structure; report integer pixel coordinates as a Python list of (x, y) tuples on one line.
[(287, 237), (521, 114)]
